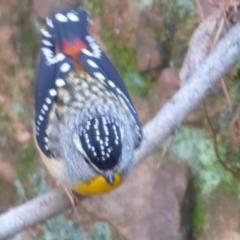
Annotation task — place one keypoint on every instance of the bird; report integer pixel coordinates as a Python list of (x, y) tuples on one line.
[(86, 126)]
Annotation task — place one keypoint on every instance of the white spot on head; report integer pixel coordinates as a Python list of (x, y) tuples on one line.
[(60, 56), (99, 76), (94, 46), (60, 82), (92, 63), (47, 43), (89, 38), (65, 67), (49, 22), (45, 33), (61, 18), (97, 55), (73, 17), (85, 51), (111, 84), (48, 100), (52, 92)]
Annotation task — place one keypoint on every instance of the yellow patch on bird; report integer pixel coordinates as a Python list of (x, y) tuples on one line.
[(98, 185)]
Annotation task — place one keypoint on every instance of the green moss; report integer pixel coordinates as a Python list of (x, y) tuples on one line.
[(199, 216), (123, 56), (7, 143), (125, 60), (192, 145), (94, 7), (28, 164), (101, 231)]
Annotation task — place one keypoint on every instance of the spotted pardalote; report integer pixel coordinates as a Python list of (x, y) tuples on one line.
[(86, 126)]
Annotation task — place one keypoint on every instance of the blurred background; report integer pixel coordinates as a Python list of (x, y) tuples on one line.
[(182, 191)]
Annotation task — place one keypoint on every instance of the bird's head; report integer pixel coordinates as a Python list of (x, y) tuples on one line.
[(102, 153)]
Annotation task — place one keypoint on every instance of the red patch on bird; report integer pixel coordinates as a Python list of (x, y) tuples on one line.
[(73, 49)]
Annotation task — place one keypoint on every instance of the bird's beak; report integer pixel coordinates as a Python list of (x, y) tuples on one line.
[(110, 177)]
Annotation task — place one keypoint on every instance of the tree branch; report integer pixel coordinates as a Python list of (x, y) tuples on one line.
[(197, 87)]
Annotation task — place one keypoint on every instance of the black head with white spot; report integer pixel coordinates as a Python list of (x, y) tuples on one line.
[(71, 26), (101, 142)]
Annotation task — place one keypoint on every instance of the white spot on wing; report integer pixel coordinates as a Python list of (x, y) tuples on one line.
[(99, 75), (47, 43), (52, 92), (45, 33), (45, 107), (111, 84), (60, 57), (47, 52), (92, 63), (60, 82), (48, 100), (40, 117), (65, 67)]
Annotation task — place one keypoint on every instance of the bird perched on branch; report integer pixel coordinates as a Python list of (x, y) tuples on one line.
[(85, 123)]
